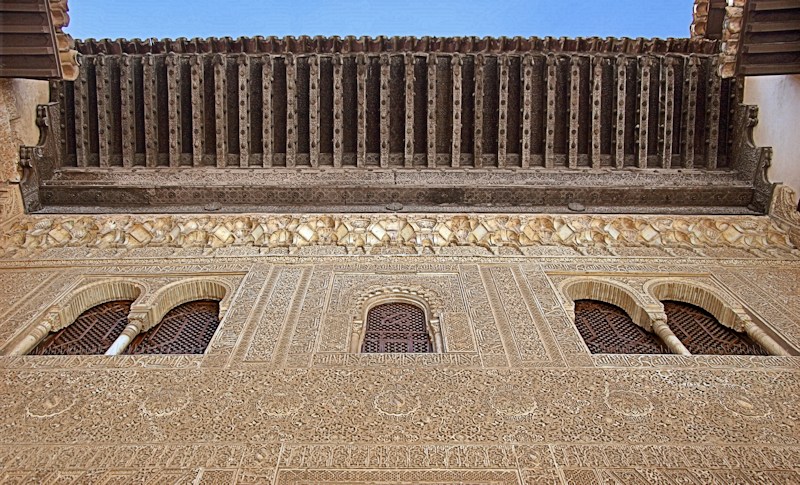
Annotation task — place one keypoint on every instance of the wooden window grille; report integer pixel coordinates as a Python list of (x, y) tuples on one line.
[(607, 329), (186, 329), (701, 333), (396, 327), (92, 333)]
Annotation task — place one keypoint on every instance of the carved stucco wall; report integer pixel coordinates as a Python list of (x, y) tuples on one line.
[(515, 398)]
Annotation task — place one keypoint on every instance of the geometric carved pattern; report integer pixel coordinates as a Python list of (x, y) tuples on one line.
[(186, 329), (396, 328), (701, 333), (607, 329), (92, 333)]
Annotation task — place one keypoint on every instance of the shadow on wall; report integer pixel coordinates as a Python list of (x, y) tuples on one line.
[(778, 99)]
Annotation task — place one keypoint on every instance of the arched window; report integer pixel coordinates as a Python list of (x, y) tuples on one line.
[(396, 327), (701, 333), (607, 329), (92, 333), (186, 329)]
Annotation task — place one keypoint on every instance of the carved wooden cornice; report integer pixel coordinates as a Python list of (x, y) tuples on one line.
[(357, 233), (349, 44), (364, 131)]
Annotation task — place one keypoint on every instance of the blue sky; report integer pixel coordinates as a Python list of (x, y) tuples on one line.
[(203, 18)]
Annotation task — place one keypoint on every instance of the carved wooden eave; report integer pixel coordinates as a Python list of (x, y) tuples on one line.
[(398, 44), (400, 124)]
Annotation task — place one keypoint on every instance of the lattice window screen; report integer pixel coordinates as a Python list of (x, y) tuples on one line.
[(396, 327), (92, 333), (186, 329), (607, 329), (701, 333)]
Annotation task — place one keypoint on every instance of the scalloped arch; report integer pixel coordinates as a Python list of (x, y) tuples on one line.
[(91, 295), (609, 292), (727, 312), (168, 297)]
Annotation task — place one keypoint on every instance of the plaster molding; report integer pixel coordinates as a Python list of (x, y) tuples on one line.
[(362, 233), (784, 211)]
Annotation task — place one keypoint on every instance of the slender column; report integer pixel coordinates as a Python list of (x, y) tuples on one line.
[(665, 334), (356, 334), (619, 128), (313, 110), (597, 106), (291, 110), (338, 111), (127, 110), (40, 331), (667, 110), (477, 151), (644, 109), (574, 109), (384, 109), (770, 345), (408, 155), (550, 128), (689, 110), (713, 106), (432, 110), (149, 88), (361, 94), (220, 110), (130, 332), (102, 77), (455, 147), (436, 329), (502, 115), (197, 110), (174, 107), (266, 111), (527, 109), (243, 62), (82, 114)]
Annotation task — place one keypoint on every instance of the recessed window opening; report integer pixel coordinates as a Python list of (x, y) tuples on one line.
[(186, 329), (396, 328), (92, 333), (701, 333), (607, 329)]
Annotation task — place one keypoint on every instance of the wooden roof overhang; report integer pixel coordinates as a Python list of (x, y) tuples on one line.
[(759, 37), (32, 42), (428, 124)]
